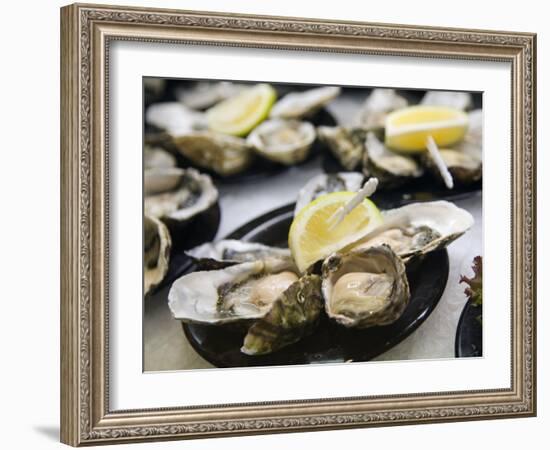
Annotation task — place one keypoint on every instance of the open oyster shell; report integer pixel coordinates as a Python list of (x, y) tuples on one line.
[(292, 316), (177, 194), (237, 293), (418, 228), (297, 105), (156, 252), (346, 144), (325, 184), (377, 106), (457, 100), (155, 157), (284, 141), (365, 288), (206, 93), (391, 169), (226, 155), (234, 251), (175, 118)]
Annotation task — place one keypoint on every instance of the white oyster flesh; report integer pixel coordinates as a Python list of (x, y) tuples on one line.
[(365, 288), (226, 155), (156, 252), (187, 193), (283, 141), (418, 228), (297, 105), (241, 292), (327, 183), (377, 106), (457, 100), (175, 118), (154, 157), (237, 251)]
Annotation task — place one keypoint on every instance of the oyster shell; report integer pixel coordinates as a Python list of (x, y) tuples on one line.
[(346, 144), (365, 288), (325, 184), (156, 252), (234, 251), (391, 169), (418, 228), (284, 141), (292, 316), (236, 293), (226, 155), (206, 93), (297, 105), (177, 194), (457, 100), (175, 118), (155, 157), (377, 106)]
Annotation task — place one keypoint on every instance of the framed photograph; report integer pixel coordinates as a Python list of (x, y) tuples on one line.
[(286, 224)]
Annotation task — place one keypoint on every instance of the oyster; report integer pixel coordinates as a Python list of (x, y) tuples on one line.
[(292, 316), (236, 293), (155, 157), (377, 106), (206, 93), (234, 251), (365, 288), (325, 184), (391, 169), (297, 105), (346, 144), (156, 252), (418, 228), (457, 100), (174, 118), (177, 194), (284, 141), (226, 155)]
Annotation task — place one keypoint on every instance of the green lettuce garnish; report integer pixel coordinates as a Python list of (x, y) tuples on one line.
[(474, 291)]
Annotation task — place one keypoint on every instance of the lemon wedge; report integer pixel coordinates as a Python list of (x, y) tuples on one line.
[(407, 129), (239, 114), (311, 237)]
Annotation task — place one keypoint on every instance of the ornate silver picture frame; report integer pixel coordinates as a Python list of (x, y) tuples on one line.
[(87, 32)]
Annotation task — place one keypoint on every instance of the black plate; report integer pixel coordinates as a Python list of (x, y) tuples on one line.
[(330, 343), (469, 332)]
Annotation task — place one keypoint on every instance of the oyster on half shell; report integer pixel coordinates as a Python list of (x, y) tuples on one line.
[(365, 288), (175, 118), (391, 169), (297, 105), (155, 157), (156, 252), (418, 228), (457, 100), (327, 183), (226, 155), (177, 194), (284, 141), (377, 106), (346, 144)]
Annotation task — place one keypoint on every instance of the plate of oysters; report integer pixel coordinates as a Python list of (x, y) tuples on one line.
[(350, 259)]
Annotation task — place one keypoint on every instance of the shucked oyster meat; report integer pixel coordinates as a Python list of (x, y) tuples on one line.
[(365, 288), (284, 141), (226, 155)]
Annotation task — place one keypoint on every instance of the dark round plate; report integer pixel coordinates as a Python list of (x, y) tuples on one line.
[(469, 332), (330, 343)]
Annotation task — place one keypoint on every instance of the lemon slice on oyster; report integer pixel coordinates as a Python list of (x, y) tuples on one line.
[(313, 237), (239, 114), (407, 129)]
